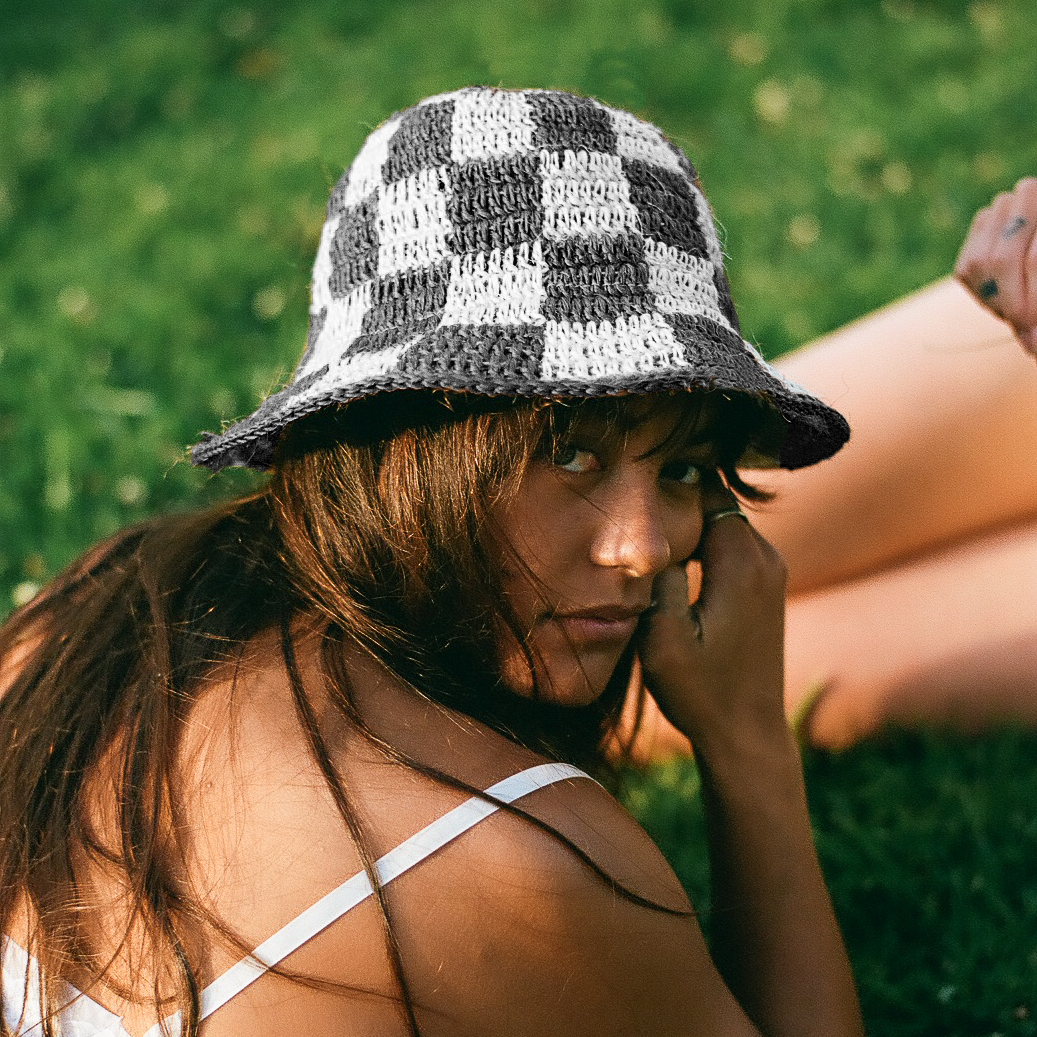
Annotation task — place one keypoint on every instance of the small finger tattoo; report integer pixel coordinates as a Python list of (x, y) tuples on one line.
[(1014, 227), (987, 289)]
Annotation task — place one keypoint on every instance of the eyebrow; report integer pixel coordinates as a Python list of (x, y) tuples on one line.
[(696, 437)]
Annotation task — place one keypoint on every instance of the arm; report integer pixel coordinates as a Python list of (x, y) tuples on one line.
[(716, 671)]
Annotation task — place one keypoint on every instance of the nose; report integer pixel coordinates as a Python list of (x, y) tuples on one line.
[(632, 533)]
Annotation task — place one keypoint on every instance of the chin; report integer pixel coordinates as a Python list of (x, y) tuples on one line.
[(569, 685), (578, 687), (576, 682)]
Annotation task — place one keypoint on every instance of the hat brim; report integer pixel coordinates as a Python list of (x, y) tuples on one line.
[(801, 430)]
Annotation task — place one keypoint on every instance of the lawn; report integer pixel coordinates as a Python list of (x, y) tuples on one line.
[(162, 185)]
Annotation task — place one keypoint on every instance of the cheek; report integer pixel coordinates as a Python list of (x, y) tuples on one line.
[(542, 526)]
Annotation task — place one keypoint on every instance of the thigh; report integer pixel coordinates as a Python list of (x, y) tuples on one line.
[(949, 637), (942, 404)]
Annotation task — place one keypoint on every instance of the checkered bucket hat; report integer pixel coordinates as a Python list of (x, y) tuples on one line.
[(522, 243)]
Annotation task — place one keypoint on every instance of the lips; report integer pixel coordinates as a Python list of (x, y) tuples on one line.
[(608, 624)]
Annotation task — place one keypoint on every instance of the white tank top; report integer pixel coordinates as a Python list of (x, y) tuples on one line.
[(81, 1016)]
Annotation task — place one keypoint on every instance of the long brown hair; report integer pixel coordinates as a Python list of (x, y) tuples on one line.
[(377, 519)]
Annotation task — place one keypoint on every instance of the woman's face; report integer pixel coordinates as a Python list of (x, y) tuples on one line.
[(594, 524)]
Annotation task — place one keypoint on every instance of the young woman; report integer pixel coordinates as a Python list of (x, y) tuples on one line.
[(307, 762)]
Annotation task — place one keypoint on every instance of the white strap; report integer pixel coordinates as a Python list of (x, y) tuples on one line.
[(354, 891)]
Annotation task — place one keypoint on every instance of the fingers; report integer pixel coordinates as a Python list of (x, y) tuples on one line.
[(998, 260), (721, 656), (742, 574), (670, 590)]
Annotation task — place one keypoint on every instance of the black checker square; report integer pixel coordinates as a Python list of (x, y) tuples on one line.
[(565, 123), (495, 203), (337, 200), (666, 206), (711, 347), (421, 141), (595, 278), (354, 248), (404, 302), (483, 358), (727, 304)]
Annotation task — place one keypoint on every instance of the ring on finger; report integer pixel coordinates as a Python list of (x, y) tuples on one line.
[(987, 289), (1014, 227), (715, 516)]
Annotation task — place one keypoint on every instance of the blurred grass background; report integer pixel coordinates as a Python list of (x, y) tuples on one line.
[(163, 176)]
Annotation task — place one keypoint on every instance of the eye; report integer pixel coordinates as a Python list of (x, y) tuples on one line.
[(684, 472), (574, 459)]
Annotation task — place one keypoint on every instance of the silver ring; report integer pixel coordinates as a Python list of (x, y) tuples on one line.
[(715, 516)]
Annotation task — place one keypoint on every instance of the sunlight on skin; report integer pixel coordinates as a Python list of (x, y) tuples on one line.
[(595, 525)]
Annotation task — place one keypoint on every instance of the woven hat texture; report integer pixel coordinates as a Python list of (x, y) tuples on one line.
[(522, 243)]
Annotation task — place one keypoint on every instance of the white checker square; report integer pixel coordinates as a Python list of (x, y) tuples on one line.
[(365, 175), (682, 283), (585, 193), (378, 362), (605, 351), (341, 326), (412, 223), (322, 267), (637, 140), (498, 287), (490, 126)]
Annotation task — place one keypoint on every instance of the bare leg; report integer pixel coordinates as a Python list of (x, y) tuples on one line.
[(913, 553), (942, 405), (949, 637)]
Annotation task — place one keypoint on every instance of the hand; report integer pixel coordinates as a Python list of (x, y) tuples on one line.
[(998, 261), (716, 667)]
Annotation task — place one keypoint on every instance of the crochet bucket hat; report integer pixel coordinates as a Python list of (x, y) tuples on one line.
[(524, 243)]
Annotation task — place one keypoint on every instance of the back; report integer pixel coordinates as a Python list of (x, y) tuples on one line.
[(482, 926)]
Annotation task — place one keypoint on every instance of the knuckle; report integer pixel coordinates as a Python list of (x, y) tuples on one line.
[(768, 567)]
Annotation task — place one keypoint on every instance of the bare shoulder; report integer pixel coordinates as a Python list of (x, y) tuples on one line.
[(579, 928), (565, 921)]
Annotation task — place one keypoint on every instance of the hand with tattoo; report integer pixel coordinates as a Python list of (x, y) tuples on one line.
[(998, 261)]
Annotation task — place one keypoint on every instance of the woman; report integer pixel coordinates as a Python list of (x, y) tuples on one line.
[(517, 421)]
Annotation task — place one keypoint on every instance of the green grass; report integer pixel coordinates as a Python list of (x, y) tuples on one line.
[(928, 844), (162, 183)]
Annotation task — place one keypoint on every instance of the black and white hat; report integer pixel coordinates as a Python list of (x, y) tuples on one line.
[(522, 243)]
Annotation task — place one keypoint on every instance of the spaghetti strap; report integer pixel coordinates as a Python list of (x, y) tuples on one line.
[(354, 891)]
